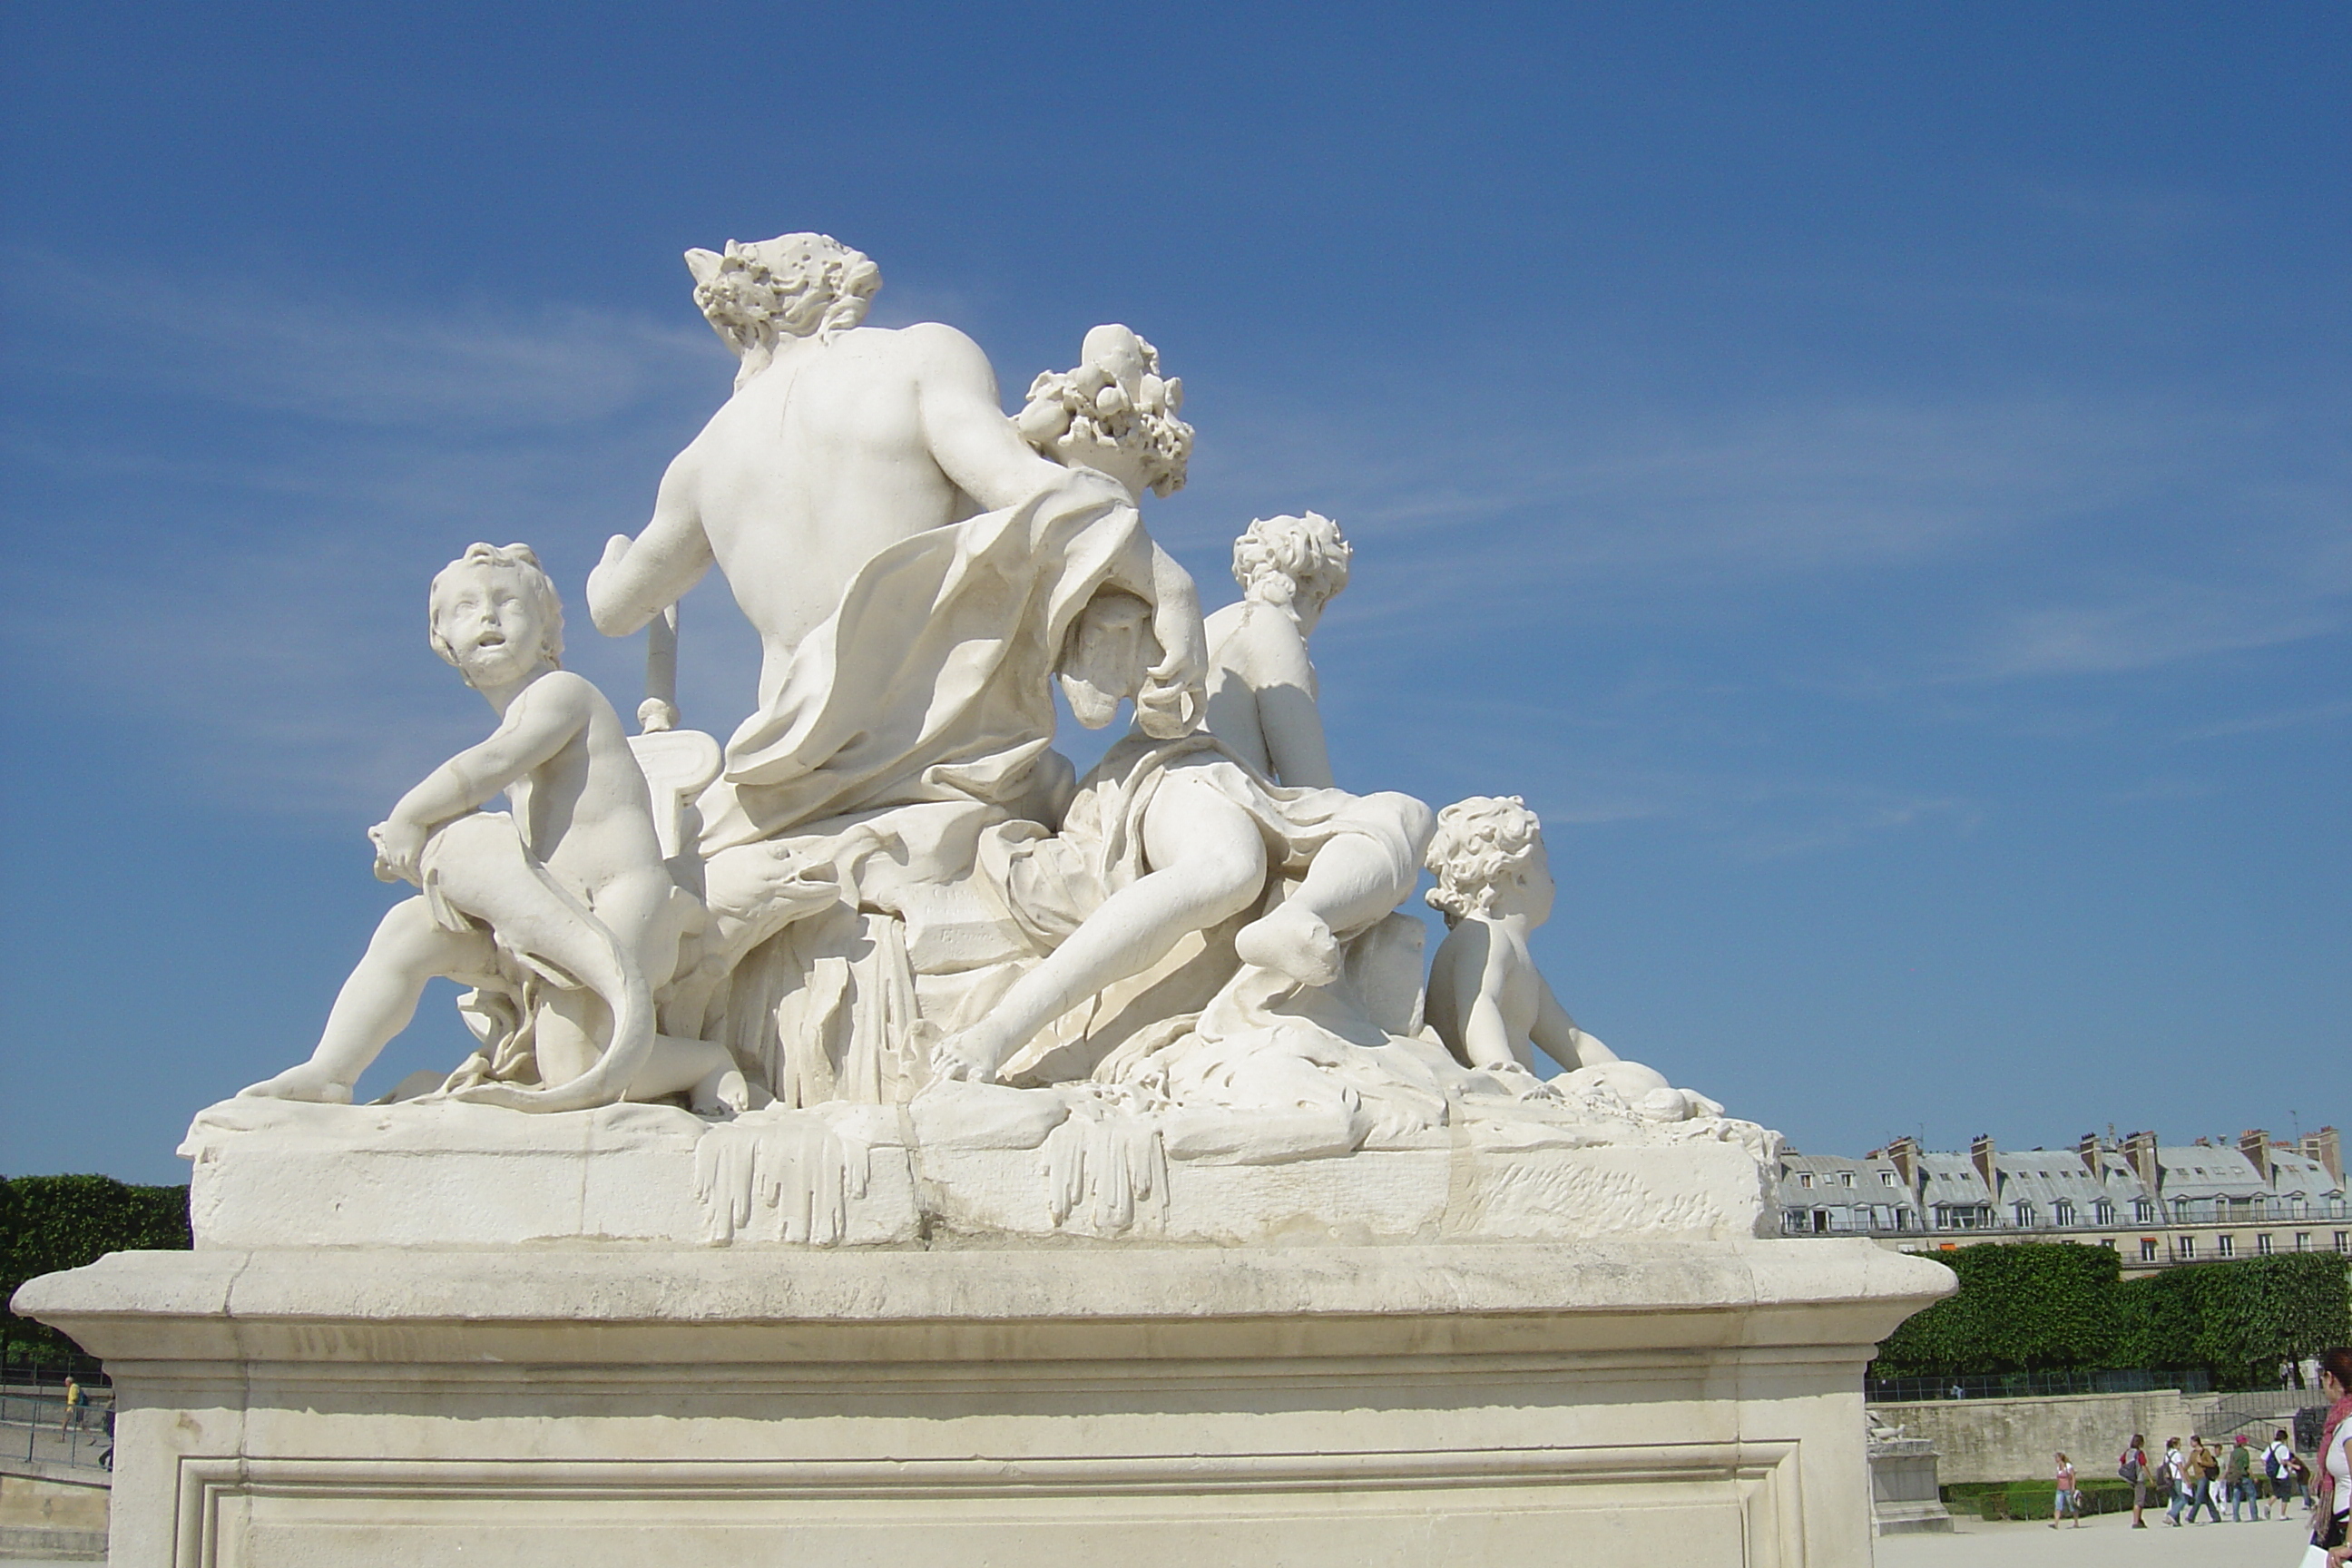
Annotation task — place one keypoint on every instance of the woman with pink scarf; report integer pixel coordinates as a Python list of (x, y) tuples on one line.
[(2335, 1467)]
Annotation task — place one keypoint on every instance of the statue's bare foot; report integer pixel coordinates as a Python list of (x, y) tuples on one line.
[(1293, 941), (308, 1082), (724, 1090)]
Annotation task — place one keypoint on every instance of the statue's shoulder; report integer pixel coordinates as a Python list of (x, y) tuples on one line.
[(1269, 639), (935, 346)]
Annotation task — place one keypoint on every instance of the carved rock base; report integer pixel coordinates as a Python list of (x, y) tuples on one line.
[(272, 1174), (570, 1406)]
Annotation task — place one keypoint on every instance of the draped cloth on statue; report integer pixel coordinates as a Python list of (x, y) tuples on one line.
[(931, 680), (1047, 885)]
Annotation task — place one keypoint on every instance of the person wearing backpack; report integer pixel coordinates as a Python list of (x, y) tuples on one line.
[(2176, 1480), (2133, 1467), (2278, 1475), (2203, 1467)]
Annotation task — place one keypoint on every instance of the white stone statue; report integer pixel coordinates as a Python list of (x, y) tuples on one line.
[(1166, 838), (1488, 1001), (1112, 413), (566, 903), (891, 962), (840, 442)]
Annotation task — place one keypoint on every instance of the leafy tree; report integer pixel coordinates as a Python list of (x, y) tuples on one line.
[(2028, 1307), (2241, 1320), (50, 1223), (2063, 1306)]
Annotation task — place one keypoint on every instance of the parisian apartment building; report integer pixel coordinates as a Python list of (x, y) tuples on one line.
[(2156, 1204)]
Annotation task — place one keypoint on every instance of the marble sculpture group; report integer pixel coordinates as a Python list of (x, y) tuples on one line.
[(887, 888)]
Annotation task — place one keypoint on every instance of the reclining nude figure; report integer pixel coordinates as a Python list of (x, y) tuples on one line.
[(1170, 836), (571, 889)]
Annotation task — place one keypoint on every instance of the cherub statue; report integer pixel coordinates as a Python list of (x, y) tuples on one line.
[(1170, 836), (1487, 1002), (567, 901)]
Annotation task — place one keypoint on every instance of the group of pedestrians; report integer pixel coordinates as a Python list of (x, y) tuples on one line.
[(2257, 1483)]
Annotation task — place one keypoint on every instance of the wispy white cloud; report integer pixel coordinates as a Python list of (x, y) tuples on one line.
[(353, 360), (2167, 625)]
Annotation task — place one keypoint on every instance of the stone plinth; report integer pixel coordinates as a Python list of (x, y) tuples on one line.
[(1600, 1403), (1904, 1496), (1006, 1163)]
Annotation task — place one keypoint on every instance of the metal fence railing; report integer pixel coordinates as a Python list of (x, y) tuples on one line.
[(36, 1424), (2025, 1384)]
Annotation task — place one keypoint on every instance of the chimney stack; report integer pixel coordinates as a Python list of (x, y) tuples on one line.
[(2255, 1145), (1903, 1154), (2326, 1150), (2139, 1148), (2088, 1148), (1987, 1159)]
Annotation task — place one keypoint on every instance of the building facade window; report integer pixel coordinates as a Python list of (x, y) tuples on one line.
[(2148, 1250), (2262, 1245), (2303, 1241), (2103, 1213), (1885, 1178), (2024, 1213), (2186, 1247), (2143, 1212), (2062, 1213), (2227, 1245), (2343, 1241), (1804, 1178), (1845, 1178)]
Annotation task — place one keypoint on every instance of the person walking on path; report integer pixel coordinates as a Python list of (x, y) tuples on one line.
[(2176, 1480), (2278, 1468), (2333, 1513), (2133, 1467), (2238, 1481), (74, 1398), (2064, 1500), (2203, 1467)]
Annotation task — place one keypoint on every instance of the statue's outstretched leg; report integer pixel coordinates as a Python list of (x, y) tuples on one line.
[(409, 948), (1208, 864), (1356, 879)]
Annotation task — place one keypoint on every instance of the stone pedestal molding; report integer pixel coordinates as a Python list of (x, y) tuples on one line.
[(1596, 1402)]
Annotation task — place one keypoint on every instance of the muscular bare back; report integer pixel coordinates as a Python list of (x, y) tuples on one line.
[(831, 454)]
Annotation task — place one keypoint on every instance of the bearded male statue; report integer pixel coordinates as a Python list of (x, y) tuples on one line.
[(842, 441)]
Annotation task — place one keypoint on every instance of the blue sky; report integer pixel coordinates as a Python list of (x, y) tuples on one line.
[(1875, 478)]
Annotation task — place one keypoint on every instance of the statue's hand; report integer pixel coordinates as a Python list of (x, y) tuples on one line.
[(1175, 690), (399, 850), (1169, 712)]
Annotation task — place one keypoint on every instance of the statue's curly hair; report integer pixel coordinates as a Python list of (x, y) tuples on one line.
[(519, 560), (1278, 558), (795, 284), (1477, 841)]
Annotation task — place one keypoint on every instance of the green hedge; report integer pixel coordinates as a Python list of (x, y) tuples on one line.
[(2035, 1499), (48, 1223), (2065, 1307)]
